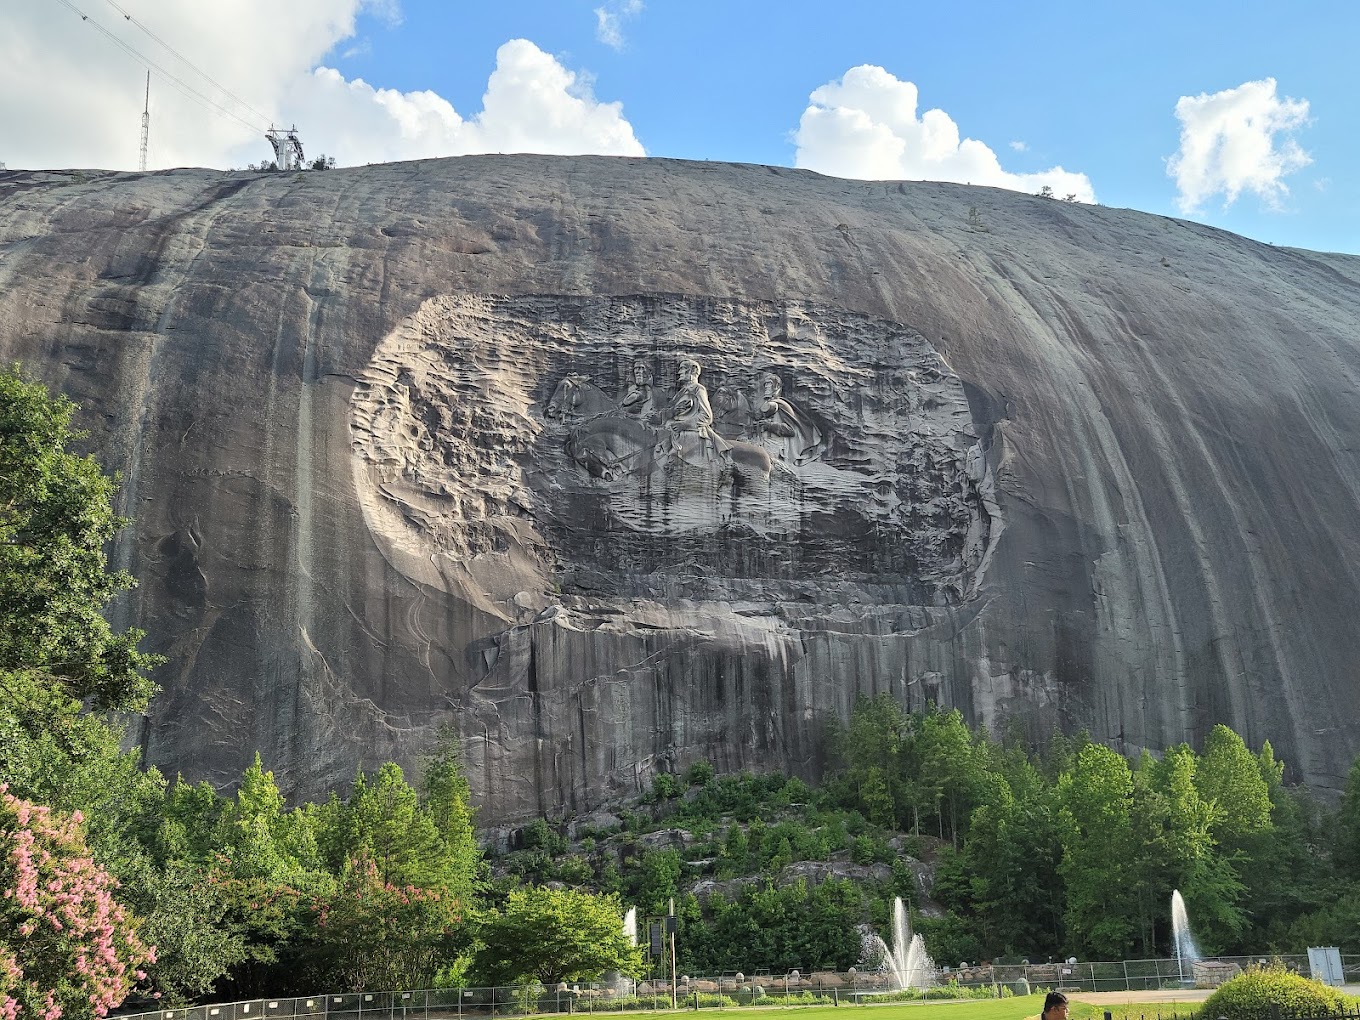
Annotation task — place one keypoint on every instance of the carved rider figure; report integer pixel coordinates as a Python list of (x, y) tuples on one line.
[(640, 398), (688, 420), (785, 428)]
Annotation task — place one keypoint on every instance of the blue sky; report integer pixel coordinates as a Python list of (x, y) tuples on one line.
[(1092, 88)]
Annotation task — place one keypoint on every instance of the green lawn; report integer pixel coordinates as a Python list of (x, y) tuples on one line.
[(1016, 1008), (1131, 1010)]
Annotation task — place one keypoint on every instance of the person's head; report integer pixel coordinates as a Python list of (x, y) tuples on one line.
[(1055, 1006), (689, 370), (642, 373), (770, 386)]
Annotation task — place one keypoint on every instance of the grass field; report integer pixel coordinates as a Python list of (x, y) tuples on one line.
[(1130, 1010), (1020, 1007)]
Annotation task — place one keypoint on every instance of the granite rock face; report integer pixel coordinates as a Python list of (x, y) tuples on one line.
[(617, 464)]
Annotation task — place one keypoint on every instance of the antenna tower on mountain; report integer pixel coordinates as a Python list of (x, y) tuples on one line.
[(287, 147), (146, 124)]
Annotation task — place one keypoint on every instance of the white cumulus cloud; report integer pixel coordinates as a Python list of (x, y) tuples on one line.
[(70, 97), (866, 126), (1237, 140), (532, 104), (609, 20)]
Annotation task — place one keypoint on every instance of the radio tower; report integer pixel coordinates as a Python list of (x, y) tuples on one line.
[(146, 124)]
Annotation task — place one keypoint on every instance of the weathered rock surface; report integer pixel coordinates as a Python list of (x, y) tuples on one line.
[(616, 464)]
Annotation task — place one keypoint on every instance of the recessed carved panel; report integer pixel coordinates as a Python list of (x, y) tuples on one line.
[(669, 446)]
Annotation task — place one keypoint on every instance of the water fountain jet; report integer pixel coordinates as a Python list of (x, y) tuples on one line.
[(621, 985), (905, 963), (1182, 941)]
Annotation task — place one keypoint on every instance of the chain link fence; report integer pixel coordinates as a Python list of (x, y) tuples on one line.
[(1134, 975), (736, 990)]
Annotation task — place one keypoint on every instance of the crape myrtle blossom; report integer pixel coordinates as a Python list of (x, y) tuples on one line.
[(67, 947)]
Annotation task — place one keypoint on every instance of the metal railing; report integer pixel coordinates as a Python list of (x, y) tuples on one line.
[(1134, 975), (816, 987)]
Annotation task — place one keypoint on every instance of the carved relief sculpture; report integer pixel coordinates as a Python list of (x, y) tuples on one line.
[(639, 400), (485, 474), (687, 422), (785, 430)]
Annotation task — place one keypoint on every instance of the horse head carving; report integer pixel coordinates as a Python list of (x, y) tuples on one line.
[(568, 400)]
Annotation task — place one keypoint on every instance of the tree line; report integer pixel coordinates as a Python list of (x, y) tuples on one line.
[(1074, 849), (1068, 848)]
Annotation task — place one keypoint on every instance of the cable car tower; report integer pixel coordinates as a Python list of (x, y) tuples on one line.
[(146, 124), (287, 147)]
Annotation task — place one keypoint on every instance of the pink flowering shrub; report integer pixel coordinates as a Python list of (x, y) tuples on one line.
[(67, 949)]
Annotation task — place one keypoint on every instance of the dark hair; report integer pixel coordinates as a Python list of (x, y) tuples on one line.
[(1054, 999)]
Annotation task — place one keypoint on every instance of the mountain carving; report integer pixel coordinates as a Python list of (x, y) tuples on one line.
[(479, 473), (618, 464)]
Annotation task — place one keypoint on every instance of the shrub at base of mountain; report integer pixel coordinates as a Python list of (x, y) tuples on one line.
[(1253, 995)]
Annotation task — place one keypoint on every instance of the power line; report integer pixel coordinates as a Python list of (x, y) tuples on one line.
[(186, 61), (182, 86)]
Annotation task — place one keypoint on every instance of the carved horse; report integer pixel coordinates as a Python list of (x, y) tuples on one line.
[(577, 397), (609, 443), (733, 415)]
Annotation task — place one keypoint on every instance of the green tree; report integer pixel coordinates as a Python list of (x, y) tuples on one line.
[(1013, 894), (258, 838), (403, 840), (1173, 829), (656, 879), (735, 852), (1098, 850), (1334, 922), (56, 517), (274, 921), (1347, 843), (756, 836), (384, 821), (372, 934), (700, 773), (448, 802), (872, 749), (58, 654), (775, 928), (1230, 777), (197, 944), (875, 796), (1282, 872), (188, 823), (952, 769), (554, 935)]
